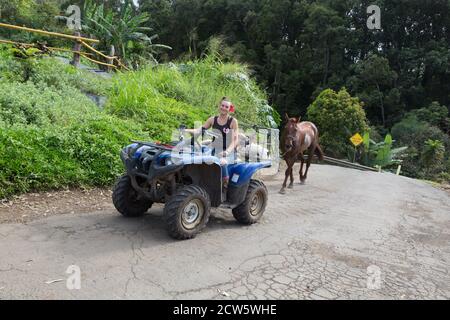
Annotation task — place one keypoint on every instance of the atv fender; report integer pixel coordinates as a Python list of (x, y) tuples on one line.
[(240, 176)]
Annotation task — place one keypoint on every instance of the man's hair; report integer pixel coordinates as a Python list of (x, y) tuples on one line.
[(225, 99)]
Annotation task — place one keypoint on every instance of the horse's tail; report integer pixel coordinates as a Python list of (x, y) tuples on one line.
[(318, 149), (319, 152), (316, 131)]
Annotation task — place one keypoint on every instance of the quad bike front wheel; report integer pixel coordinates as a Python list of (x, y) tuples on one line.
[(187, 212), (127, 200), (252, 209)]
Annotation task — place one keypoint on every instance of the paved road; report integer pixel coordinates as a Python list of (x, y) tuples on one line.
[(345, 234)]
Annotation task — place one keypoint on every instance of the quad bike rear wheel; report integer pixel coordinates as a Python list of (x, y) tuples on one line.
[(127, 200), (252, 209), (187, 212)]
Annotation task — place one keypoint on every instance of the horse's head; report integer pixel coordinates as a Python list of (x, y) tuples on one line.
[(290, 133)]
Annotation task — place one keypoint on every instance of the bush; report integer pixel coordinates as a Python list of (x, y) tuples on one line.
[(54, 73), (432, 158), (50, 72), (414, 133), (37, 104), (51, 134), (434, 114), (10, 68), (49, 157), (338, 116), (380, 154)]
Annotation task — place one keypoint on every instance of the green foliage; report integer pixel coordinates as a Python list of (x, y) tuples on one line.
[(299, 48), (10, 68), (48, 157), (54, 73), (124, 28), (432, 158), (414, 133), (381, 154), (25, 53), (53, 136), (338, 116), (33, 14), (373, 83), (162, 97), (434, 114), (37, 104), (49, 72)]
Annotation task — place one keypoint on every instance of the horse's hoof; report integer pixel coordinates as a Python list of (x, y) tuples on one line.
[(282, 191), (291, 186), (302, 182)]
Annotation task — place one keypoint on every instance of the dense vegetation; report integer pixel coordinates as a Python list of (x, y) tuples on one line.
[(348, 116), (314, 58), (52, 135), (298, 48)]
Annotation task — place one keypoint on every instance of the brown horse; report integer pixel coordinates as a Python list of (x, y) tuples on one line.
[(296, 138)]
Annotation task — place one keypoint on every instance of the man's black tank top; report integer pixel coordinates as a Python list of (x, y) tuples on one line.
[(224, 129)]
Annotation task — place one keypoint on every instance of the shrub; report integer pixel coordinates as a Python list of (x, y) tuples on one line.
[(10, 68), (49, 157), (434, 114), (50, 72), (414, 133), (51, 134), (54, 73), (28, 103), (432, 158), (338, 116), (380, 154)]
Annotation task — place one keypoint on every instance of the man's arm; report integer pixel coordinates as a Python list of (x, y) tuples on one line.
[(197, 131), (235, 138)]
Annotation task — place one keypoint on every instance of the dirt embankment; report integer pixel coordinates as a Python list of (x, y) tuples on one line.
[(31, 206)]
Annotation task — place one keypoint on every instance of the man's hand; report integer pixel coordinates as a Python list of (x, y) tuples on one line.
[(223, 161), (224, 154)]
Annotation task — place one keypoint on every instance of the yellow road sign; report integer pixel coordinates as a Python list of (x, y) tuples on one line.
[(356, 139)]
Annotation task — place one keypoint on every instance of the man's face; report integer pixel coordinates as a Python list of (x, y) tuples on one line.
[(224, 107)]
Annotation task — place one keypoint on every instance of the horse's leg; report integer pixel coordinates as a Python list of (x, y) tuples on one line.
[(291, 174), (308, 162), (286, 174), (302, 159)]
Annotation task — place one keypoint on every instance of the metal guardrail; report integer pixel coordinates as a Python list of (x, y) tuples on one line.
[(344, 163), (348, 164)]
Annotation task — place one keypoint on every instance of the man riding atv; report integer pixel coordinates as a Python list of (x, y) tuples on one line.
[(229, 128), (189, 178)]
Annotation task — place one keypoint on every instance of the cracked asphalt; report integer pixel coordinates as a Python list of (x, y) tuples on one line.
[(345, 234)]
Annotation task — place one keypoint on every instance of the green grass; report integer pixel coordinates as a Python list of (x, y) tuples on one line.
[(188, 92)]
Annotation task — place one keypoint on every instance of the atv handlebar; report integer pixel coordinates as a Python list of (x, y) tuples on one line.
[(151, 144)]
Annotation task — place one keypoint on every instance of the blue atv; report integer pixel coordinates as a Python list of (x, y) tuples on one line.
[(189, 183)]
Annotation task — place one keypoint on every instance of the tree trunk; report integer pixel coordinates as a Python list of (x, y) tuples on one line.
[(383, 119)]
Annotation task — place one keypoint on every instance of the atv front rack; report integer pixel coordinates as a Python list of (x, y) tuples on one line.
[(152, 144)]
